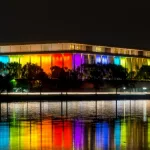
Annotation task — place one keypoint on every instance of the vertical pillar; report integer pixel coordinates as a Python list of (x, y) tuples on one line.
[(131, 66), (62, 55), (74, 66), (30, 59), (94, 58), (81, 62), (88, 58), (40, 61), (51, 60), (81, 58)]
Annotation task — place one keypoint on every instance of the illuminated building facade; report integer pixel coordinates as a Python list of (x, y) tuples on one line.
[(72, 55)]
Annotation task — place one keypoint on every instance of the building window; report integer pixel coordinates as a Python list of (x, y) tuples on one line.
[(126, 51), (98, 49), (132, 52), (72, 46)]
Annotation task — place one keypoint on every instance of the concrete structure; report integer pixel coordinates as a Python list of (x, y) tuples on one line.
[(72, 55)]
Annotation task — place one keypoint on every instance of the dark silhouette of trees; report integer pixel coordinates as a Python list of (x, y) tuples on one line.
[(14, 70), (5, 83), (33, 72), (143, 73)]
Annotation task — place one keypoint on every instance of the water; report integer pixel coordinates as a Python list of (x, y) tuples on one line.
[(87, 125)]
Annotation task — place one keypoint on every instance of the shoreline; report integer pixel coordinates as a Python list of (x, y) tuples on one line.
[(73, 97)]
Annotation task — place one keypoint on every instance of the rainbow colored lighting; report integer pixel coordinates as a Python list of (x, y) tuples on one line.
[(67, 61), (74, 60), (104, 60), (123, 62), (98, 59), (4, 59), (77, 60), (117, 60)]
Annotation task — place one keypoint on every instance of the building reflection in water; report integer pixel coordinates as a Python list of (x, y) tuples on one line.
[(36, 126)]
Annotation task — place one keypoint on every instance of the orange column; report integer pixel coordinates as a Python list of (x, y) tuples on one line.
[(68, 61), (57, 60), (46, 62)]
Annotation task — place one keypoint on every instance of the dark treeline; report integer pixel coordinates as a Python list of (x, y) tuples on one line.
[(33, 78)]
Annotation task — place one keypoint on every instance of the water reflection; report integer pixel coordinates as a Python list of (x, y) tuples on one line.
[(75, 125)]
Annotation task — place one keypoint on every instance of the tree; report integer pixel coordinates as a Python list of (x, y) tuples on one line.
[(116, 72), (14, 69), (143, 73), (33, 72), (35, 75)]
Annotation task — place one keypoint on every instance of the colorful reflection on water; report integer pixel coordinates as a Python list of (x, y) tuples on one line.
[(70, 126)]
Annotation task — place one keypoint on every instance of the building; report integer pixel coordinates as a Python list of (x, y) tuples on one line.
[(72, 55)]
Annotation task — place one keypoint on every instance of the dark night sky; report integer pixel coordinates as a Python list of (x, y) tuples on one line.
[(110, 23)]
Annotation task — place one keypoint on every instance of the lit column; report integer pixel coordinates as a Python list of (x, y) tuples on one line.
[(51, 60), (74, 61), (62, 55)]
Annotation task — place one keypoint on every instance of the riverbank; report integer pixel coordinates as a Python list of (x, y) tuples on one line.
[(72, 96)]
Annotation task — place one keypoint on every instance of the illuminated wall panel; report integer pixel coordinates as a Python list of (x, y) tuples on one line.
[(98, 59), (128, 64), (57, 60), (117, 60), (140, 62), (46, 62), (4, 59), (134, 64), (77, 60), (145, 61), (4, 136), (148, 62), (36, 59), (67, 61), (25, 59), (104, 60), (68, 140), (123, 62), (14, 58)]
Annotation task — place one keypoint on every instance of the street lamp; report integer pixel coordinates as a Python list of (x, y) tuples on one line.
[(144, 88)]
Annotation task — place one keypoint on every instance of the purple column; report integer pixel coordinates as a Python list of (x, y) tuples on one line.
[(76, 60)]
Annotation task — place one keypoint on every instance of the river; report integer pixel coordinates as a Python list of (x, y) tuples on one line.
[(75, 125)]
